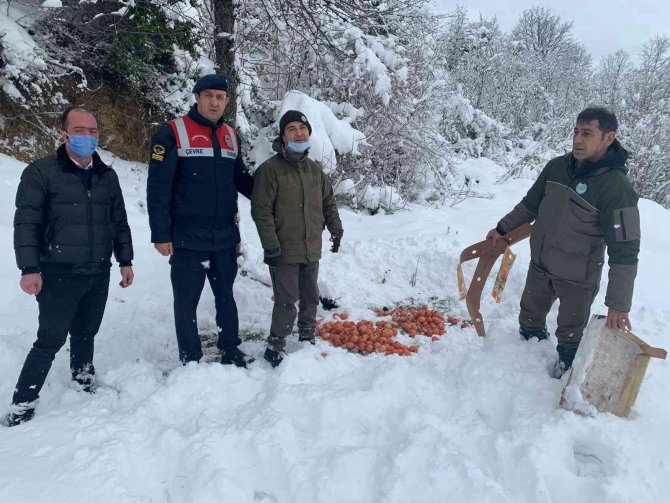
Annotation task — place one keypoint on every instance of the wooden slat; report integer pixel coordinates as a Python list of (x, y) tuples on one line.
[(487, 253), (646, 348), (631, 386)]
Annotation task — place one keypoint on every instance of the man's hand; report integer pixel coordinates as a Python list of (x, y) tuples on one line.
[(617, 320), (164, 249), (335, 239), (271, 257), (127, 276), (31, 283), (494, 235)]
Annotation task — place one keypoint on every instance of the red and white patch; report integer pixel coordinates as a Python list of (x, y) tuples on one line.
[(228, 140)]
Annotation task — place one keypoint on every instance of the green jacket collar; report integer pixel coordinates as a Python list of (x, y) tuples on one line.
[(278, 146)]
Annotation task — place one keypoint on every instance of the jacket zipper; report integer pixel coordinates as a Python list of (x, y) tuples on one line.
[(623, 225), (302, 173), (89, 220), (580, 205), (214, 140), (570, 183)]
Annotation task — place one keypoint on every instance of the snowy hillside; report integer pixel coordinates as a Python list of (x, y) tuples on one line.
[(464, 420)]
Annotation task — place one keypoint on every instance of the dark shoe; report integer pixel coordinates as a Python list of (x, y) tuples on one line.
[(274, 357), (87, 387), (559, 369), (86, 382), (235, 357), (19, 413), (307, 335), (540, 335), (566, 355)]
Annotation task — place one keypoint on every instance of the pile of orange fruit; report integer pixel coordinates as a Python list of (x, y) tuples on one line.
[(367, 337), (418, 321)]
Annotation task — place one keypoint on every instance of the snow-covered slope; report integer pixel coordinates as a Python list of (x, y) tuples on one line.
[(464, 419)]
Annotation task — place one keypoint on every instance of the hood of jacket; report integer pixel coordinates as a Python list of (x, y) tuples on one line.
[(615, 158)]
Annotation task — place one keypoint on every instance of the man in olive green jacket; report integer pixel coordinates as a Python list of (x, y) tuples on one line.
[(291, 204), (581, 203)]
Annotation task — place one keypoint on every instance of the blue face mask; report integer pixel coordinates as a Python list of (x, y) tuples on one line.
[(299, 147), (83, 145)]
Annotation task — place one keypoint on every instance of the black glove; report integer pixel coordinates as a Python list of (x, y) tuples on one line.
[(335, 239), (271, 257)]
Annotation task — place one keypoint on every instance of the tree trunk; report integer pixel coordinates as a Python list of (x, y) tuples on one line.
[(224, 25)]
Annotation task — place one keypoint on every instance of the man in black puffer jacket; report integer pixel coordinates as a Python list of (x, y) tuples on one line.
[(70, 218)]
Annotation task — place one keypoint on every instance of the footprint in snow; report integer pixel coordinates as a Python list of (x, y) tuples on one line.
[(588, 462)]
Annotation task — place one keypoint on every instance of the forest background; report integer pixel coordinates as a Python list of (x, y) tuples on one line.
[(421, 90)]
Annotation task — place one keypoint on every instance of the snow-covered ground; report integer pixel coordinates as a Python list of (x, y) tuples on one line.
[(464, 419)]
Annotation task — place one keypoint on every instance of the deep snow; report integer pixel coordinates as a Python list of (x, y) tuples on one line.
[(465, 419)]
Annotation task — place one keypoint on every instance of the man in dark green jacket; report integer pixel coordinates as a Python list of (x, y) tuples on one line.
[(581, 203), (291, 204)]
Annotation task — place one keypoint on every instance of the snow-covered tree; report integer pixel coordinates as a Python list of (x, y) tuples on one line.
[(640, 96), (543, 33), (422, 88), (613, 76), (370, 61), (535, 80), (126, 45)]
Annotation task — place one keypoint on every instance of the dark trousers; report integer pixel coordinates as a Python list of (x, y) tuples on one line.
[(73, 304), (293, 283), (189, 269), (540, 293)]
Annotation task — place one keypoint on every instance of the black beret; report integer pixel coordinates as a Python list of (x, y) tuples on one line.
[(293, 116), (212, 81)]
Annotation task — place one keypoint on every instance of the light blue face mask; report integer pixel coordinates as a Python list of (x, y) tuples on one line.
[(83, 145), (299, 147)]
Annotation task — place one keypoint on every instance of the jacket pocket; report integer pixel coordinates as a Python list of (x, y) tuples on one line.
[(111, 232), (50, 235), (583, 213), (181, 191), (594, 270), (626, 224), (567, 256)]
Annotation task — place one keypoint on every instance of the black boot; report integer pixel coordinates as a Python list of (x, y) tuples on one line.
[(540, 334), (566, 355), (235, 357), (307, 335), (89, 387), (85, 378), (274, 357), (19, 413)]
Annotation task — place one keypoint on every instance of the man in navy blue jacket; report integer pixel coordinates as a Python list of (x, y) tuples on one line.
[(195, 173)]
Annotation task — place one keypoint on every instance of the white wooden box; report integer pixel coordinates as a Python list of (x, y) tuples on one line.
[(608, 370)]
